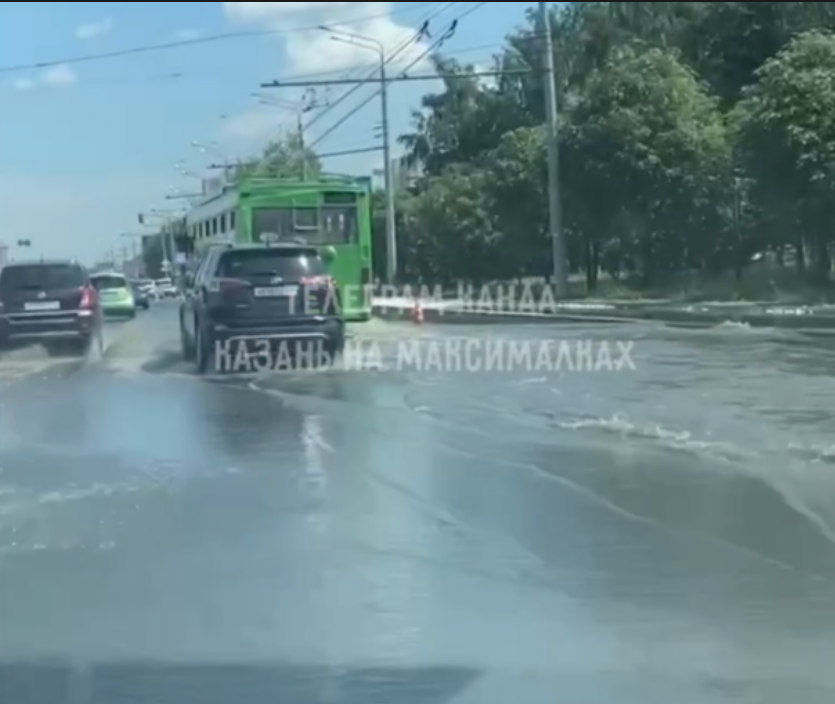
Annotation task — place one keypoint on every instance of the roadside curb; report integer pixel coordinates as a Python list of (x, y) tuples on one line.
[(704, 318)]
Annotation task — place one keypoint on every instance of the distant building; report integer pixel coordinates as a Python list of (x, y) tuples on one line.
[(4, 255)]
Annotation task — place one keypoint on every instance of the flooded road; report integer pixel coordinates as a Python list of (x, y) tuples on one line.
[(652, 535)]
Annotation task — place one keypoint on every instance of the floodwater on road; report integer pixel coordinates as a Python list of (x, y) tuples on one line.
[(404, 534)]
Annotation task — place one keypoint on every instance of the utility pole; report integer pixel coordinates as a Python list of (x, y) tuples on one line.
[(166, 233), (391, 220), (378, 48), (308, 103), (383, 80), (559, 265)]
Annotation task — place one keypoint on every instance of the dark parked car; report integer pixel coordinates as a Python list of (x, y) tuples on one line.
[(257, 295), (51, 303)]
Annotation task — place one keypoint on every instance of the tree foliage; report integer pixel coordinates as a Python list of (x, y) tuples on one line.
[(693, 136), (285, 156)]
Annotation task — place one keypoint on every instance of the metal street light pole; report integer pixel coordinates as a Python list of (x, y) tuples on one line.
[(559, 264), (391, 223)]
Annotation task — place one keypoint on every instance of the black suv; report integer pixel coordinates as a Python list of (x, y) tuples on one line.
[(259, 299), (51, 303)]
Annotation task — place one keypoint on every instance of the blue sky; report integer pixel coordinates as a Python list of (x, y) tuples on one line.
[(85, 146)]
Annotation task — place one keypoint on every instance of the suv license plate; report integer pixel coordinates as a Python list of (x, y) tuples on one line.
[(274, 291), (45, 305)]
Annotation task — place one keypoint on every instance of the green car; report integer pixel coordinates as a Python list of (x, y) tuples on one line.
[(115, 294)]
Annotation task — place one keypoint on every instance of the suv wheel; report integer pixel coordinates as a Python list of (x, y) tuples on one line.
[(203, 350), (186, 343)]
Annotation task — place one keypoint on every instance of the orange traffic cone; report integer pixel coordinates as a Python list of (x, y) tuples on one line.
[(417, 313)]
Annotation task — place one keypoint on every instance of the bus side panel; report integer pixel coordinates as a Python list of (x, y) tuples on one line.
[(345, 269), (243, 221), (362, 308)]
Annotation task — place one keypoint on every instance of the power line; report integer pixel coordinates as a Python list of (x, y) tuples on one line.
[(383, 79), (176, 75), (376, 93), (347, 116), (342, 120), (411, 39), (399, 79), (211, 39), (415, 37), (450, 30)]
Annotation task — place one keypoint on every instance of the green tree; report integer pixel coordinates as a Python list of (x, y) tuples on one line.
[(286, 156), (693, 136), (457, 124), (786, 136), (449, 234), (515, 176), (649, 145)]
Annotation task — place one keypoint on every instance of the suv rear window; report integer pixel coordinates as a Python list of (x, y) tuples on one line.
[(41, 276), (290, 264), (103, 283)]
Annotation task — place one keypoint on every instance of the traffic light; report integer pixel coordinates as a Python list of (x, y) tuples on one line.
[(141, 218)]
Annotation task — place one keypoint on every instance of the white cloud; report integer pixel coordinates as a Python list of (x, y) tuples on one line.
[(85, 215), (185, 35), (92, 30), (61, 75), (255, 124), (55, 76), (316, 51), (268, 11)]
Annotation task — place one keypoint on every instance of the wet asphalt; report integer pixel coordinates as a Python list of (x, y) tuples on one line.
[(656, 534)]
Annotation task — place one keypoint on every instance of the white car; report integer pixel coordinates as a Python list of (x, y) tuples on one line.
[(147, 286), (165, 288)]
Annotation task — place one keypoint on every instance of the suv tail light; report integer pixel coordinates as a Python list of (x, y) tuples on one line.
[(221, 285), (325, 290), (88, 298)]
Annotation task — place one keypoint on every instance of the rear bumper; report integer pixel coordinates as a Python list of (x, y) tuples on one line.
[(118, 308), (330, 331), (34, 328)]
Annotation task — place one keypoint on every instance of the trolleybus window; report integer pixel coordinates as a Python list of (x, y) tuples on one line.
[(306, 219), (337, 224)]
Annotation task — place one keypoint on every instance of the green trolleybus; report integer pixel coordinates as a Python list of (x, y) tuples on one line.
[(332, 213)]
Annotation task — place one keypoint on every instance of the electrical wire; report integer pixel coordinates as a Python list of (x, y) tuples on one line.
[(448, 33), (368, 68), (403, 46), (211, 39), (373, 70)]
